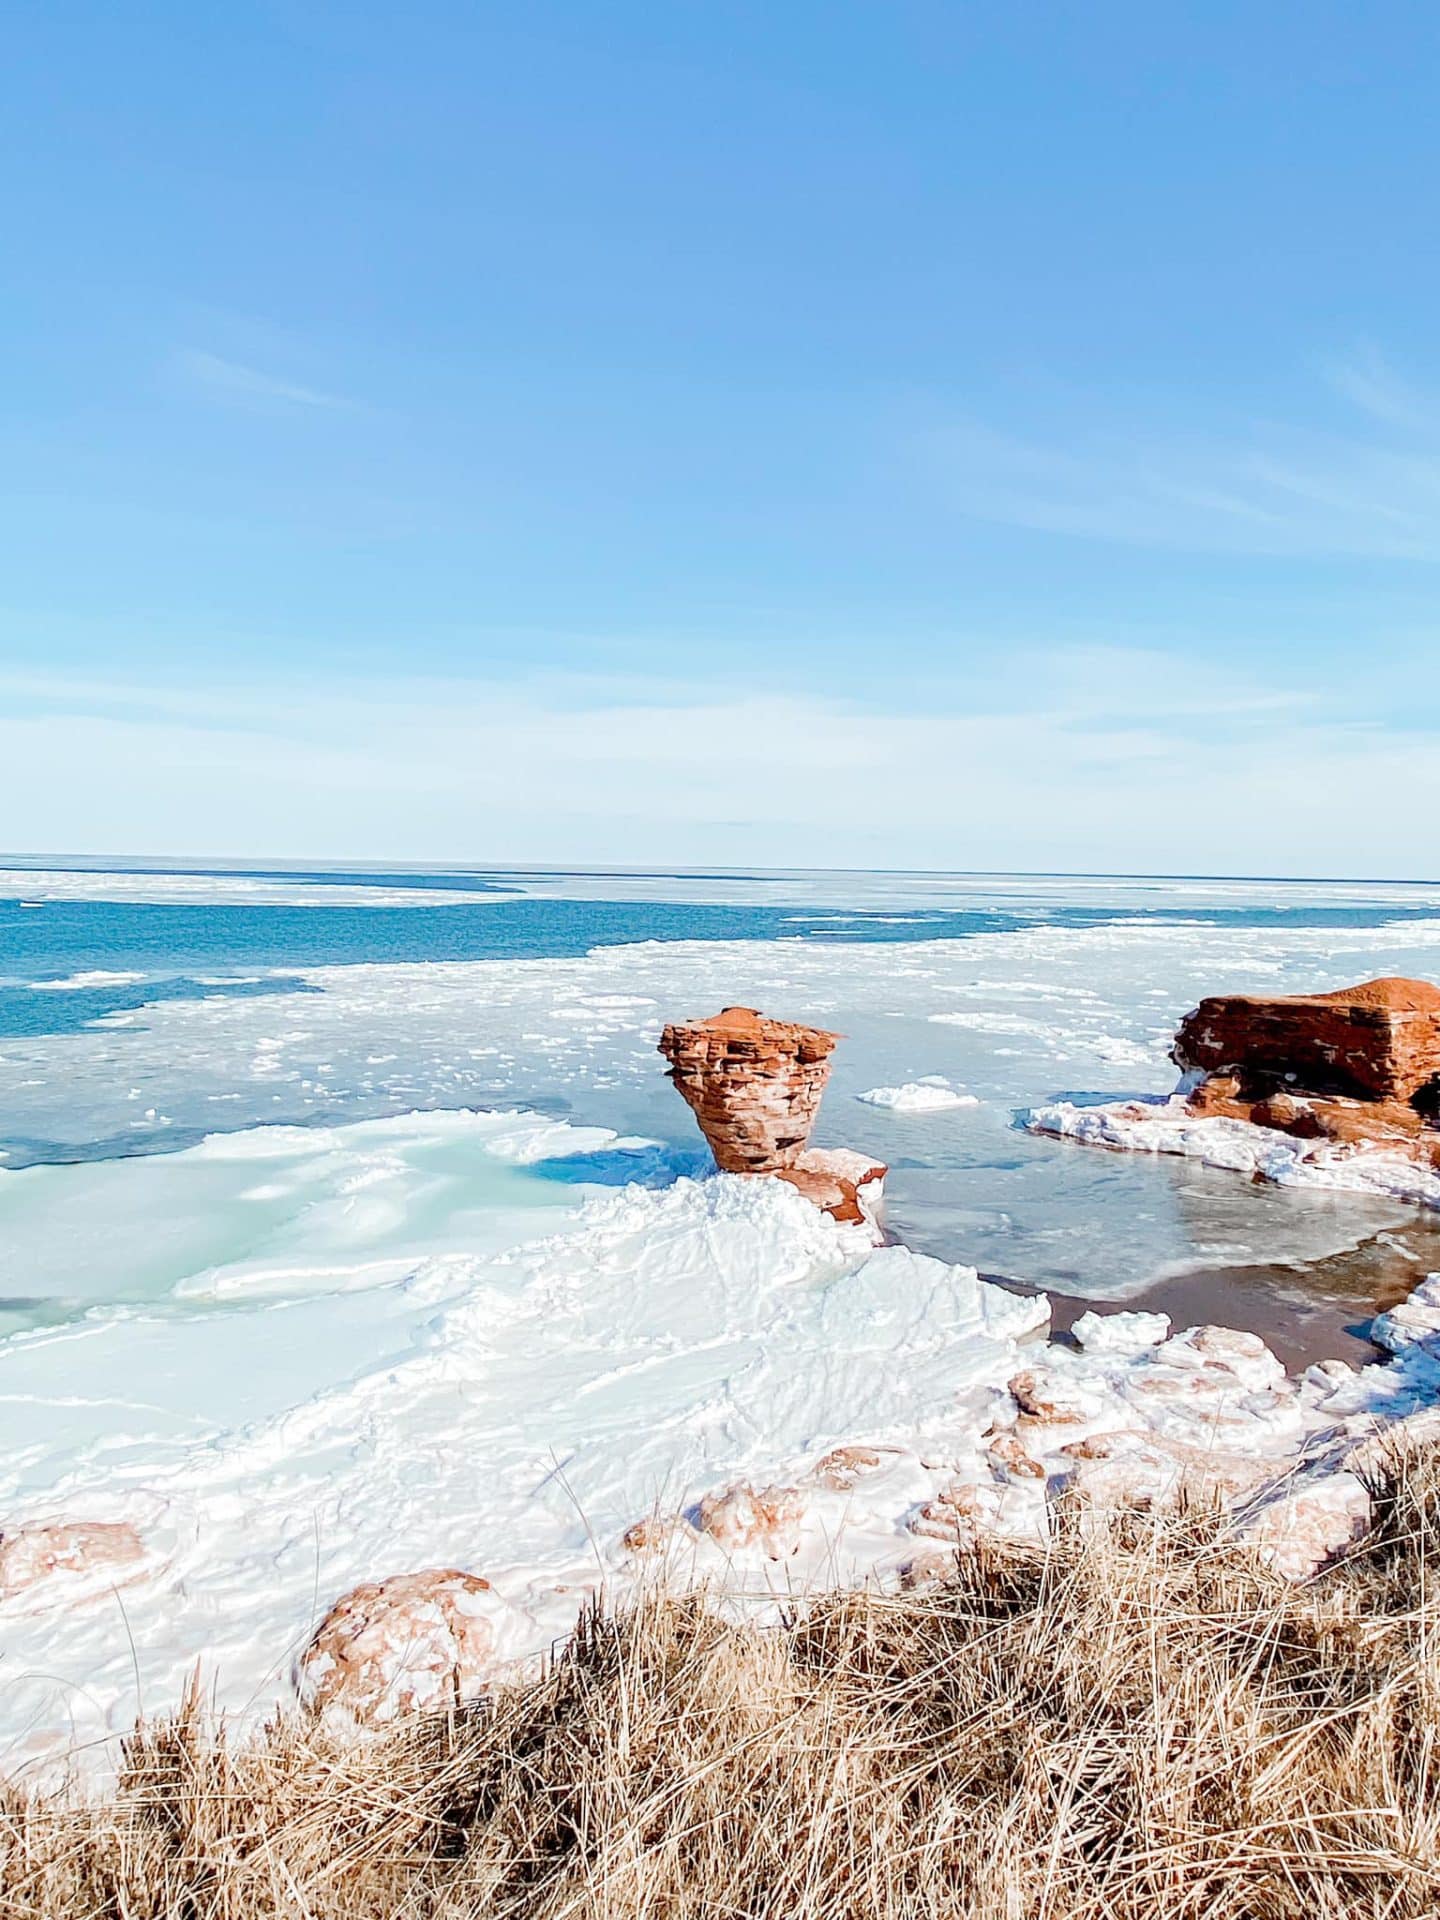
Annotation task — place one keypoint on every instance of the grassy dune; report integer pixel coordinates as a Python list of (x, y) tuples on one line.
[(1142, 1725)]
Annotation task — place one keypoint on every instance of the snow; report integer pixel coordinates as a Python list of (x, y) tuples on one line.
[(1414, 1321), (367, 1331), (1166, 1125), (932, 1095), (78, 982), (1124, 1333), (333, 1354), (327, 1354)]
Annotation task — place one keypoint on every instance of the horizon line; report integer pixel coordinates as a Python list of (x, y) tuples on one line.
[(14, 862)]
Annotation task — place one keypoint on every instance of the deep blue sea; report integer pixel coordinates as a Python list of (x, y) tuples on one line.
[(199, 950)]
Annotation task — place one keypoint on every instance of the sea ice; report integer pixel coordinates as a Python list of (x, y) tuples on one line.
[(79, 982), (356, 1351), (455, 1386), (35, 887), (395, 1037), (1166, 1125), (918, 1096)]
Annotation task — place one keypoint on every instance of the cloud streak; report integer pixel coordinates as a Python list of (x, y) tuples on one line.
[(1367, 380), (232, 380), (1269, 489)]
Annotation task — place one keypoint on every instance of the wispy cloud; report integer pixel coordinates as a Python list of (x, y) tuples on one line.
[(1367, 380), (1107, 765), (237, 381), (1267, 488)]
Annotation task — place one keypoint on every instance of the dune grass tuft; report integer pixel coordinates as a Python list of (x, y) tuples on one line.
[(1141, 1724)]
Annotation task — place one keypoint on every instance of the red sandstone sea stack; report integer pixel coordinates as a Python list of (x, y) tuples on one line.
[(1359, 1065), (754, 1086)]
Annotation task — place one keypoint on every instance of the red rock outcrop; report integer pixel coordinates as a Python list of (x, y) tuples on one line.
[(1360, 1065), (754, 1086), (56, 1559), (414, 1640), (834, 1179), (746, 1516), (657, 1534), (960, 1514), (843, 1468)]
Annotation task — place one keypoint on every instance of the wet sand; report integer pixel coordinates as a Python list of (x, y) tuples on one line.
[(1304, 1310)]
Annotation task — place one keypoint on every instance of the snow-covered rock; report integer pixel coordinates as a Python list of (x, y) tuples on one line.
[(414, 1640), (1167, 1125)]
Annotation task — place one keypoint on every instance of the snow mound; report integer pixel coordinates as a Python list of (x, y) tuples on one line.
[(434, 1341), (1121, 1333), (918, 1096)]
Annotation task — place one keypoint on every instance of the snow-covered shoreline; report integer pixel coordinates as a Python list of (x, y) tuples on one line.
[(395, 1332), (1165, 1124), (700, 1374)]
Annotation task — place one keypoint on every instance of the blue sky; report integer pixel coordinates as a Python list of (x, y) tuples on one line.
[(910, 435)]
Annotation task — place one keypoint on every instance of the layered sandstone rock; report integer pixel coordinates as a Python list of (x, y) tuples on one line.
[(415, 1640), (1358, 1066), (754, 1086)]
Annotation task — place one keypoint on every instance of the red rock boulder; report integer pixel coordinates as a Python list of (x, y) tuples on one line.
[(835, 1179), (413, 1641), (54, 1561), (745, 1516)]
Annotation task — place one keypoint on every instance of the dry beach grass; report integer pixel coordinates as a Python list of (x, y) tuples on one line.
[(1140, 1724)]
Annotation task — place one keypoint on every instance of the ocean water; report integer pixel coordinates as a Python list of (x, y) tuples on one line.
[(346, 1216), (140, 1012)]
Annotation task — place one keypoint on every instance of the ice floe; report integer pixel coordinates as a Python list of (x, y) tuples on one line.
[(931, 1095), (80, 982), (1166, 1125)]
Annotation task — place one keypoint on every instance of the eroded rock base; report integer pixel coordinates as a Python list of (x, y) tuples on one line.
[(754, 1085)]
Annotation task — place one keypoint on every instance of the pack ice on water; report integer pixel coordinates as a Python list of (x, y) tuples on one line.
[(425, 1340), (346, 1326)]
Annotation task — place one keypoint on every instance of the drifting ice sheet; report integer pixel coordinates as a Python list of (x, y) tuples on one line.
[(1166, 1125), (933, 1095)]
